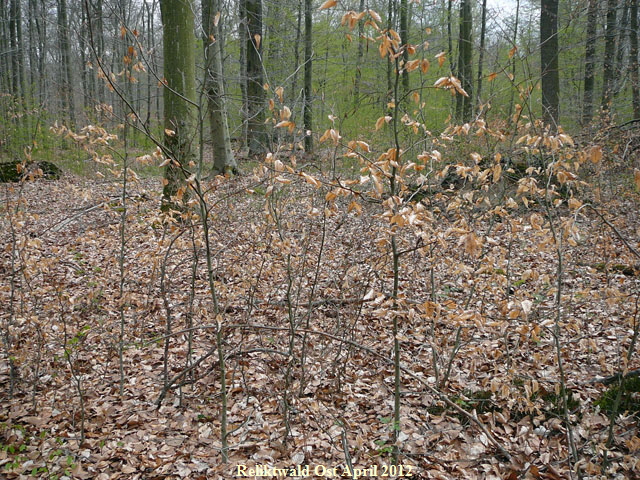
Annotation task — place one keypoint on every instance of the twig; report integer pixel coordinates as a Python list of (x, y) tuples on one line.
[(615, 377), (345, 449), (615, 230), (177, 377), (470, 416)]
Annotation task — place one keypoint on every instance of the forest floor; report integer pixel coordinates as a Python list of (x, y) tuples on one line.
[(305, 314)]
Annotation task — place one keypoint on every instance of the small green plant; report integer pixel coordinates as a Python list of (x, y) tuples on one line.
[(629, 398), (554, 402), (385, 449)]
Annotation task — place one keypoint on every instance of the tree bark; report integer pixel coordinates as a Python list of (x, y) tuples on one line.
[(390, 25), (450, 36), (5, 70), (296, 52), (21, 50), (98, 39), (308, 79), (34, 79), (16, 48), (623, 32), (223, 159), (85, 73), (549, 63), (404, 40), (358, 76), (5, 45), (464, 104), (66, 72), (243, 40), (633, 61), (589, 62), (179, 95), (609, 53), (513, 59), (257, 138), (483, 32), (43, 46)]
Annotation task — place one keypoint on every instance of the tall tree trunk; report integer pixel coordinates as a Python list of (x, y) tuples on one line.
[(609, 55), (633, 60), (243, 39), (16, 45), (257, 138), (85, 75), (308, 79), (274, 39), (296, 52), (450, 36), (404, 40), (179, 94), (483, 32), (65, 52), (5, 65), (589, 62), (514, 41), (34, 80), (358, 77), (549, 62), (43, 45), (147, 22), (390, 25), (152, 89), (21, 51), (623, 32), (464, 104), (97, 27), (223, 159)]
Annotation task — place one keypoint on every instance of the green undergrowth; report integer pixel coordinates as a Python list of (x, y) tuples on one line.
[(629, 393), (550, 404)]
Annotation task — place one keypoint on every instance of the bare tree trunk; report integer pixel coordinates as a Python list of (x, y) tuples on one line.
[(589, 62), (34, 79), (85, 72), (21, 50), (223, 159), (65, 52), (633, 60), (243, 38), (450, 36), (390, 24), (483, 32), (464, 104), (43, 45), (513, 59), (549, 62), (404, 40), (5, 80), (296, 53), (257, 138), (623, 32), (308, 79), (152, 88), (179, 95), (274, 38), (148, 22), (15, 32), (609, 55), (358, 77), (98, 38)]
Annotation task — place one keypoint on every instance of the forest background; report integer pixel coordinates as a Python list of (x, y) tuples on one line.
[(399, 234)]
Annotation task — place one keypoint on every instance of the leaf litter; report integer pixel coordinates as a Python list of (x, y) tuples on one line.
[(483, 336)]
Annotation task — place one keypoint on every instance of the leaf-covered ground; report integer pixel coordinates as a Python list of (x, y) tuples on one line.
[(303, 291)]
